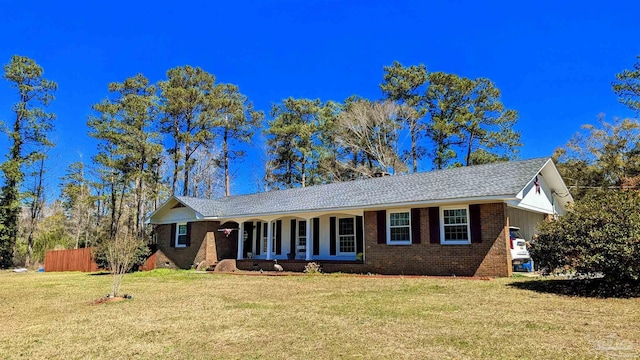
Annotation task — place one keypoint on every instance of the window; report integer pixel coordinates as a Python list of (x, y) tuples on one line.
[(264, 236), (181, 235), (301, 244), (399, 230), (455, 225), (346, 236)]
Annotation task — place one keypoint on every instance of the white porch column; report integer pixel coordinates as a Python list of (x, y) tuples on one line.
[(241, 240), (269, 238), (309, 246)]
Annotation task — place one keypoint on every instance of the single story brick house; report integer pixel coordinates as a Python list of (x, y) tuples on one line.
[(446, 222)]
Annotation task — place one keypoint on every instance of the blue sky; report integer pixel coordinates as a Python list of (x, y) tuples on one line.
[(553, 60)]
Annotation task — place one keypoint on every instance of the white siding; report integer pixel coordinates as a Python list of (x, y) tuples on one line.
[(182, 214), (527, 221), (541, 202)]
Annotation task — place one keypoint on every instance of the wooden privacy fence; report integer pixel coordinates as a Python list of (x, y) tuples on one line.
[(82, 260), (70, 260), (150, 263)]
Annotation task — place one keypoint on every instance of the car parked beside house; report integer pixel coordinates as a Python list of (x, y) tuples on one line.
[(520, 257)]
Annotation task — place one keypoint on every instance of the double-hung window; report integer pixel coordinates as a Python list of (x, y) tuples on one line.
[(399, 230), (301, 242), (346, 236), (181, 235), (455, 225), (265, 239)]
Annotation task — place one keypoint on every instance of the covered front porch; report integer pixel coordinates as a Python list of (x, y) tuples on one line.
[(301, 238)]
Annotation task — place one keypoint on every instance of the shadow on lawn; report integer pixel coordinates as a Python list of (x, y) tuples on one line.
[(591, 288), (100, 273)]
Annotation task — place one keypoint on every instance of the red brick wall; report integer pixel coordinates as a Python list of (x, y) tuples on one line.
[(207, 244), (488, 258)]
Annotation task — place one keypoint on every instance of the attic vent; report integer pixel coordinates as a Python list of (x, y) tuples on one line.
[(178, 205)]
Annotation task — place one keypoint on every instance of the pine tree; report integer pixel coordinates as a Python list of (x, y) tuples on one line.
[(407, 87), (467, 117), (627, 86), (129, 148), (237, 122), (27, 137), (190, 101), (290, 139)]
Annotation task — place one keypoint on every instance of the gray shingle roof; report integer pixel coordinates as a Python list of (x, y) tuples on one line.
[(504, 179)]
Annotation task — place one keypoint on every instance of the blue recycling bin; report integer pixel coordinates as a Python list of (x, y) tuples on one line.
[(526, 266)]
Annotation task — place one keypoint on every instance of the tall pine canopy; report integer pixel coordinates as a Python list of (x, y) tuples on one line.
[(27, 137)]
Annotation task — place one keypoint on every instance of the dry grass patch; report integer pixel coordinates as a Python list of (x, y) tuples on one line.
[(179, 314)]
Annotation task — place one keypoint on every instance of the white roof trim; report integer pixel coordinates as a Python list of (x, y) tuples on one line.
[(171, 201)]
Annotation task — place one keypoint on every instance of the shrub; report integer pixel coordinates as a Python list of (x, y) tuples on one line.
[(141, 253), (600, 235), (312, 268)]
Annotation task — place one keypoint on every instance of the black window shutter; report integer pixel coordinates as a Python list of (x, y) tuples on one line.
[(172, 242), (258, 236), (434, 225), (332, 235), (293, 236), (248, 228), (476, 228), (359, 234), (316, 236), (278, 237), (188, 234), (415, 226), (382, 226)]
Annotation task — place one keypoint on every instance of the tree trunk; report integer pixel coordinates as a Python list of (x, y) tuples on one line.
[(414, 150), (187, 166), (36, 207), (112, 226), (225, 159), (469, 146), (176, 158), (302, 171)]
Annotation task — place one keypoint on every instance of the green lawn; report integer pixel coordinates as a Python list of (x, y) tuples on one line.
[(185, 315)]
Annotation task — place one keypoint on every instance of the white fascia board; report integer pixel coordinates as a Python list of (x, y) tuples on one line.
[(517, 204)]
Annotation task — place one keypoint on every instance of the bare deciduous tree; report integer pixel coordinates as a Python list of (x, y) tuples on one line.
[(369, 130), (121, 252)]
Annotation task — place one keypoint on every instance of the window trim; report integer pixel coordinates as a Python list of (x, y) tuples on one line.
[(186, 232), (403, 242), (355, 238), (442, 226)]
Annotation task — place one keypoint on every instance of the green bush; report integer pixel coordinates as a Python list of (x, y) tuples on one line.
[(599, 236)]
